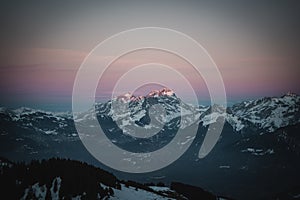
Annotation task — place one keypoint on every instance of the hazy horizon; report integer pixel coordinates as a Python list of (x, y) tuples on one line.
[(67, 106)]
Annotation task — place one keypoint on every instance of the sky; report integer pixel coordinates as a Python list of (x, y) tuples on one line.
[(255, 45)]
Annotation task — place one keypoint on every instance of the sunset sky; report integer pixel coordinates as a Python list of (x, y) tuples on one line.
[(255, 44)]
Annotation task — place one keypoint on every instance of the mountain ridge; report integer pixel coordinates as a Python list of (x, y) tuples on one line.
[(267, 114), (241, 155)]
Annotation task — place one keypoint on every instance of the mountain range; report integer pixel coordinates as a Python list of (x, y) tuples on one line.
[(256, 157)]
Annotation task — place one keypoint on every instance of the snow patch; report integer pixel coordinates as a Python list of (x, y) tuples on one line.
[(129, 193)]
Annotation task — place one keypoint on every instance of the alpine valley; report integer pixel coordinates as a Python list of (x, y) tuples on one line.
[(256, 157)]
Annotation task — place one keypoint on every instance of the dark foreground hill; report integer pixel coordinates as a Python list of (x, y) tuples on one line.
[(68, 179)]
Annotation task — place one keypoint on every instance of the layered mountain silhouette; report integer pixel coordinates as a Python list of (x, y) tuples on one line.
[(256, 155)]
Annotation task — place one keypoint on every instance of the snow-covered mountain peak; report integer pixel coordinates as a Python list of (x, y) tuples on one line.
[(128, 110), (290, 94), (162, 92), (270, 113), (127, 97)]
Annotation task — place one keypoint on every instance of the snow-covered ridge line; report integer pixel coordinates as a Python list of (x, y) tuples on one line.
[(270, 113), (154, 93), (23, 111), (267, 114)]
